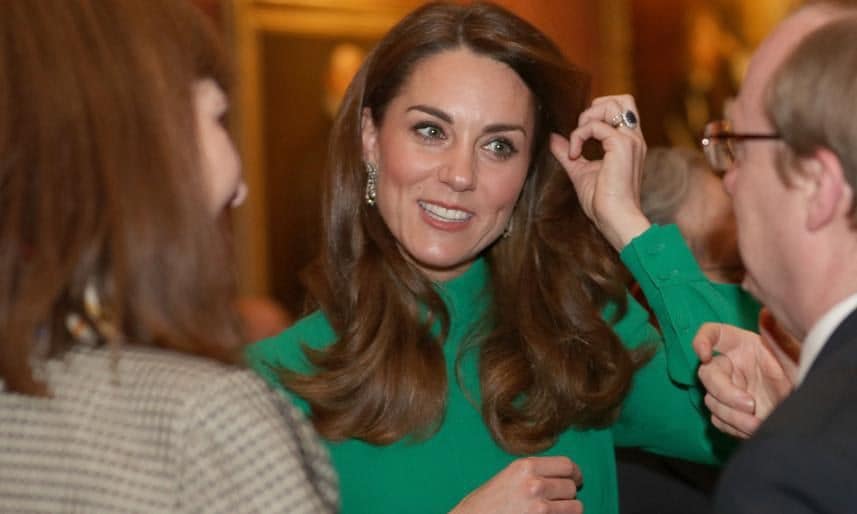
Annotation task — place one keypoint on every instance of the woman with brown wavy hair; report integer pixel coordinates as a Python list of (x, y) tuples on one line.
[(470, 311), (117, 336)]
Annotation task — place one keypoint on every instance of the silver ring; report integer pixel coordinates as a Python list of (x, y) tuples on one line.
[(624, 119)]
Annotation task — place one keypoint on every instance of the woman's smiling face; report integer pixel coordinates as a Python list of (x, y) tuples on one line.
[(452, 154)]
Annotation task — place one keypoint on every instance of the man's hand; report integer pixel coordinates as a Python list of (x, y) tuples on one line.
[(745, 375)]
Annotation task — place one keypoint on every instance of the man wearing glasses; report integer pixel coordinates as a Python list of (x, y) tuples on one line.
[(789, 149)]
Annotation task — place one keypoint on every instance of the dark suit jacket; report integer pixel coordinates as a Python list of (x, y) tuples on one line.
[(803, 458)]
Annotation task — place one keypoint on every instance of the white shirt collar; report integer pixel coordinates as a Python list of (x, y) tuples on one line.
[(821, 332)]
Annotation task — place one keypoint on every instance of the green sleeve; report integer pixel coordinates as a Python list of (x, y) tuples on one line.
[(682, 297), (664, 412), (269, 357), (660, 414)]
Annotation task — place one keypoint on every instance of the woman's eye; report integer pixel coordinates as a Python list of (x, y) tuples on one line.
[(427, 131), (501, 148)]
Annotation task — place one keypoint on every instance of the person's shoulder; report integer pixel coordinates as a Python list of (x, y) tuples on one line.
[(192, 389), (788, 471), (313, 330), (820, 408), (233, 428), (752, 476), (286, 350), (815, 424), (134, 367), (152, 386), (188, 385), (188, 381)]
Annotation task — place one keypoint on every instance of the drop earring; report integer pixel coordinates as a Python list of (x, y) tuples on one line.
[(371, 184)]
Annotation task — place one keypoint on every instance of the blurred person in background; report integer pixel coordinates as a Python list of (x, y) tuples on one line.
[(679, 187)]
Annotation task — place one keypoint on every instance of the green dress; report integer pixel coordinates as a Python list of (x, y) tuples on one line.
[(663, 413)]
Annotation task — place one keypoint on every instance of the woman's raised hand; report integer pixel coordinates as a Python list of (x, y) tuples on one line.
[(608, 189), (530, 485)]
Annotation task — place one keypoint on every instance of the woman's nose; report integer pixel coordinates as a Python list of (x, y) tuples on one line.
[(459, 172)]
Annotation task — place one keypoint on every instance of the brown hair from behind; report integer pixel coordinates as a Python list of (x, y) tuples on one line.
[(808, 97), (547, 359), (100, 179)]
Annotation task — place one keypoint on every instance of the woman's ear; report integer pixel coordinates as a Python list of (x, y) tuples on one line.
[(829, 195), (369, 134)]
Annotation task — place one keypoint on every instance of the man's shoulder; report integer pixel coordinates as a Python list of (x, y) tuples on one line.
[(808, 436), (817, 421), (822, 406), (803, 457), (787, 472)]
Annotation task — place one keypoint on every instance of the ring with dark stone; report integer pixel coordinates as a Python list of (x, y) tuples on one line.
[(624, 119)]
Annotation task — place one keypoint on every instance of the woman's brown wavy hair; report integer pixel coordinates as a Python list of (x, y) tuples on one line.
[(548, 361), (100, 179)]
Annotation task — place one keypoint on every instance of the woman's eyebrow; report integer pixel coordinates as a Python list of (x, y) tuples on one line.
[(433, 111), (438, 113), (504, 127)]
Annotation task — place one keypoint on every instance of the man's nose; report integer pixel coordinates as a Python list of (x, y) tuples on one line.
[(729, 180)]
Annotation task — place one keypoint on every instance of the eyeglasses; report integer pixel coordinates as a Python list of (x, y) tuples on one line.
[(722, 147)]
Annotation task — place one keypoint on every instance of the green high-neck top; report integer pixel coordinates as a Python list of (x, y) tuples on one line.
[(663, 412)]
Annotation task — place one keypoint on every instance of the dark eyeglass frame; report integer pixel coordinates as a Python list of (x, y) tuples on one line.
[(722, 157)]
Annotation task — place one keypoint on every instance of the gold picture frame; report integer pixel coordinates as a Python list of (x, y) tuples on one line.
[(276, 44)]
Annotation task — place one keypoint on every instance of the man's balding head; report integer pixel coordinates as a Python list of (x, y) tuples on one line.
[(787, 248), (778, 45)]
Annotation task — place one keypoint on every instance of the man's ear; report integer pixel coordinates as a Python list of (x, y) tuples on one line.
[(369, 134), (828, 193)]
